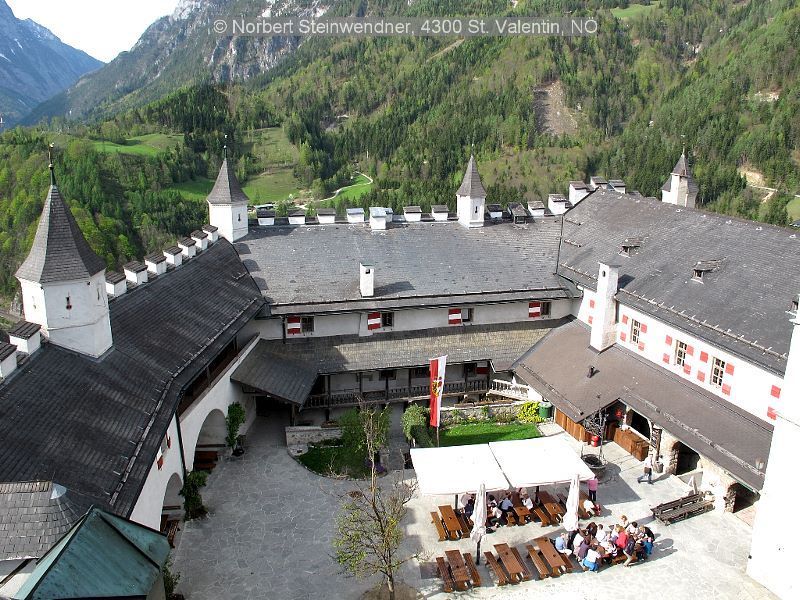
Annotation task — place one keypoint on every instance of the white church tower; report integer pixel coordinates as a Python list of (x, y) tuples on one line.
[(64, 282), (227, 204), (471, 197), (680, 189)]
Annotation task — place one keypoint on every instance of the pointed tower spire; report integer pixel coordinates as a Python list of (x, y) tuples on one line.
[(680, 188), (227, 203), (471, 196), (50, 160)]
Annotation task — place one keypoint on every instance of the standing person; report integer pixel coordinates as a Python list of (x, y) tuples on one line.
[(593, 483), (648, 470)]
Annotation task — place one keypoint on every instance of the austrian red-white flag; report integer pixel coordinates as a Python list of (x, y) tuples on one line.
[(373, 320), (437, 388)]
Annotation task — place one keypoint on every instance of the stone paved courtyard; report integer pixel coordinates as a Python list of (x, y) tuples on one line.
[(269, 531)]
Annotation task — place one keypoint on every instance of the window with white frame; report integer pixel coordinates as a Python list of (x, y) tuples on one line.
[(680, 353), (545, 308), (717, 372), (636, 331), (307, 324), (466, 315)]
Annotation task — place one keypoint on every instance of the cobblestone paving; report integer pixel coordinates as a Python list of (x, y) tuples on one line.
[(270, 526)]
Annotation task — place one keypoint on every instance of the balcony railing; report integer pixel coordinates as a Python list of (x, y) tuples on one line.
[(415, 392), (519, 391)]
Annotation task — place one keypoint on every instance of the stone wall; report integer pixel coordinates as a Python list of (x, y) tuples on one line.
[(480, 412), (304, 435)]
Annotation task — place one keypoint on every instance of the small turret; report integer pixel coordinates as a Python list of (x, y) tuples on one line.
[(227, 203), (471, 197), (680, 189), (63, 281)]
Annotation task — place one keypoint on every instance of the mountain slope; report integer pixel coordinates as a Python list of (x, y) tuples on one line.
[(34, 65), (178, 50)]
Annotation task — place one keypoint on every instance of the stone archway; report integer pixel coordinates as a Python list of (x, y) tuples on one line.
[(210, 441), (172, 506), (683, 459)]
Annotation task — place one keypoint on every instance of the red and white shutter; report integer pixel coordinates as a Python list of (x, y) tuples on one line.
[(293, 326), (374, 321), (160, 459), (534, 310), (454, 316)]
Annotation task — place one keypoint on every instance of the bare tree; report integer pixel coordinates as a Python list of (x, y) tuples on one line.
[(368, 529)]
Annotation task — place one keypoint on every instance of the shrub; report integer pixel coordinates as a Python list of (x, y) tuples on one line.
[(422, 436), (233, 421), (486, 414), (353, 436), (192, 500), (415, 416), (171, 578), (504, 417), (529, 413)]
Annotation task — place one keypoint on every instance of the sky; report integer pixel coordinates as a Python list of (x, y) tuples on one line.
[(101, 28)]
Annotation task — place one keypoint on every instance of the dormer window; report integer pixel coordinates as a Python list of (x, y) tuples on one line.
[(794, 306), (703, 267), (631, 246), (697, 275)]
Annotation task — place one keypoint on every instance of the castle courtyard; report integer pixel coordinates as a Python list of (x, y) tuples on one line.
[(271, 522)]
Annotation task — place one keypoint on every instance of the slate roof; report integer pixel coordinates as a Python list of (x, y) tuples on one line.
[(471, 184), (741, 307), (80, 421), (558, 365), (103, 556), (34, 515), (427, 262), (288, 369), (59, 251), (24, 329), (227, 189), (6, 350)]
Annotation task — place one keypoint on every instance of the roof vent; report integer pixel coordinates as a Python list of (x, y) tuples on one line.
[(355, 215), (135, 272), (439, 212), (367, 281), (326, 216), (378, 216), (297, 216), (25, 336), (8, 359), (213, 233), (793, 307), (631, 245), (188, 247), (265, 216), (115, 283), (156, 263), (174, 256), (413, 214), (201, 239), (703, 267)]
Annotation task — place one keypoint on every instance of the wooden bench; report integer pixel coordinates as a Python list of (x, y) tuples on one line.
[(170, 530), (204, 466), (466, 527), (567, 560), (499, 572), (473, 572), (526, 574), (206, 455), (582, 513), (439, 526), (621, 558), (538, 561), (444, 573), (542, 516)]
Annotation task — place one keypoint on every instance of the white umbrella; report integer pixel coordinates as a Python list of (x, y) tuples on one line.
[(570, 520), (479, 521)]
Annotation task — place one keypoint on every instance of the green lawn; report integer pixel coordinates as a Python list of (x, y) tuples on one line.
[(145, 145), (482, 433), (326, 460), (275, 184), (196, 189), (633, 10), (360, 186), (793, 208)]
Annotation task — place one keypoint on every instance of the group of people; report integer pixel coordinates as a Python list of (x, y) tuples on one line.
[(497, 512), (597, 542)]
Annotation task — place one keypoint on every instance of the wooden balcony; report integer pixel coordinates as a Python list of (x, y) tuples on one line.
[(401, 394)]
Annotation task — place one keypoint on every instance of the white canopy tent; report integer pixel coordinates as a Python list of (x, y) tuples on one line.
[(457, 470), (540, 461)]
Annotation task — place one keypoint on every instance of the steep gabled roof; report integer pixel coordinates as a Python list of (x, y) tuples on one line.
[(59, 251), (227, 189), (471, 184), (682, 167)]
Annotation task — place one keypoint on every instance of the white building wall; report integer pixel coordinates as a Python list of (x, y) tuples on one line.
[(218, 396), (230, 219), (751, 387), (147, 510)]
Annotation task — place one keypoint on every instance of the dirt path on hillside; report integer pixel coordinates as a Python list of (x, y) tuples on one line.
[(552, 114)]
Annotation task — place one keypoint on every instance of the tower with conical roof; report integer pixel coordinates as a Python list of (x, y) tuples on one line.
[(63, 281), (471, 197), (680, 188), (227, 203)]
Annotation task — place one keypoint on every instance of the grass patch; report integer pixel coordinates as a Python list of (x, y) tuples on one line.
[(360, 186), (483, 433), (327, 460), (793, 208), (142, 145), (194, 189), (273, 185), (633, 10)]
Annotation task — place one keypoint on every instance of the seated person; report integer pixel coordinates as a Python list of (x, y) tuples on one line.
[(646, 539), (601, 535), (591, 529), (462, 501), (527, 502), (469, 507), (592, 559), (590, 508), (506, 505), (622, 537), (584, 542), (562, 544), (632, 528)]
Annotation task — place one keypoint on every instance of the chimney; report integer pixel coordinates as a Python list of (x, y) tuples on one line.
[(367, 280), (495, 211), (297, 217), (156, 263), (25, 336), (596, 182), (557, 203), (135, 272), (8, 359), (536, 208), (213, 233), (440, 212), (377, 219), (617, 185), (265, 216), (200, 238), (355, 215), (115, 284), (326, 216), (187, 246), (604, 332), (413, 214), (577, 192), (174, 256)]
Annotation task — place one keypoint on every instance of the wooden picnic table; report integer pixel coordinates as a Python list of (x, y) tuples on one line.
[(458, 568), (511, 563), (551, 555), (552, 506), (451, 522)]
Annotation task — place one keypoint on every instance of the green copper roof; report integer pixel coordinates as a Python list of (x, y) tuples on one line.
[(103, 556)]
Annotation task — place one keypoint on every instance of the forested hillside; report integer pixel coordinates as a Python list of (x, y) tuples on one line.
[(719, 77)]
